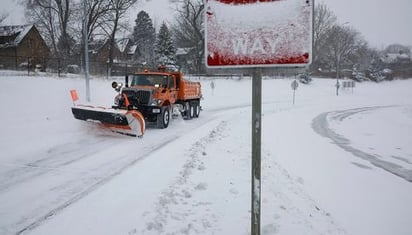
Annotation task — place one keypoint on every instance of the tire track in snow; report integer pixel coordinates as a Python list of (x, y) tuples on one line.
[(107, 177), (178, 193), (55, 158), (92, 187), (320, 125)]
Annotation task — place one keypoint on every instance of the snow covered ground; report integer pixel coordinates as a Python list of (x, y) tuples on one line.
[(330, 164)]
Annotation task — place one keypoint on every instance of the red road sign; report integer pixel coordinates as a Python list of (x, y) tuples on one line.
[(258, 33)]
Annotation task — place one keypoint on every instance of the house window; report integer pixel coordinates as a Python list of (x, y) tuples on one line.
[(30, 42)]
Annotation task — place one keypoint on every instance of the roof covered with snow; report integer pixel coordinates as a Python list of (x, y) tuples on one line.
[(122, 44), (11, 36), (389, 58), (132, 50), (183, 50)]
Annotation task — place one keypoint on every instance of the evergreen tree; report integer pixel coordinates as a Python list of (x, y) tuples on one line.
[(165, 49), (144, 36)]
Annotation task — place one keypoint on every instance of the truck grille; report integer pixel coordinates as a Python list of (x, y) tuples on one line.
[(137, 97)]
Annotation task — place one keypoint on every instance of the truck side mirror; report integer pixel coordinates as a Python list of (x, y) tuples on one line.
[(117, 86)]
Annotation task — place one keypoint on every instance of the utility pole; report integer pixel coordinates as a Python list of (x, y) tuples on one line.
[(86, 51)]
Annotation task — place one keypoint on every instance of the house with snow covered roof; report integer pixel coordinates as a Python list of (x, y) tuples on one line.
[(124, 50), (22, 46), (399, 64), (391, 58), (99, 51)]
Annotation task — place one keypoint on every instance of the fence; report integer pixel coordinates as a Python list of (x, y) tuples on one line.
[(66, 65)]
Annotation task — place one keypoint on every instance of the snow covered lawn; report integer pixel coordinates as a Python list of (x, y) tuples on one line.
[(330, 164)]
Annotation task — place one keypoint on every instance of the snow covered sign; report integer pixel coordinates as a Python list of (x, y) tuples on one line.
[(258, 33)]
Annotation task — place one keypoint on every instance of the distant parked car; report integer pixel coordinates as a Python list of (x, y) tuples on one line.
[(304, 78), (39, 68), (24, 65), (73, 68), (377, 76), (358, 76)]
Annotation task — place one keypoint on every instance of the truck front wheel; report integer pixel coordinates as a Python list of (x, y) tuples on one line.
[(163, 118)]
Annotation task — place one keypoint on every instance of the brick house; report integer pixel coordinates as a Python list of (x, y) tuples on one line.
[(22, 46)]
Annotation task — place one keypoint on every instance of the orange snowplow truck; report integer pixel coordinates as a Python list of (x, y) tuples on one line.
[(150, 97), (159, 95)]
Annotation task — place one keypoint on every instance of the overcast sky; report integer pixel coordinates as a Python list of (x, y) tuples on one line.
[(381, 22)]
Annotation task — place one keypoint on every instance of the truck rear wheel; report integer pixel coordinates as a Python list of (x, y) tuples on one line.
[(197, 109), (163, 118), (192, 110), (189, 111)]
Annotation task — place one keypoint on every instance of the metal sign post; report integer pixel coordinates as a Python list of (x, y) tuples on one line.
[(256, 149), (294, 86), (212, 85)]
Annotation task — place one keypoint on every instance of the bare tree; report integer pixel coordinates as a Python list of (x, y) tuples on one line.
[(45, 19), (343, 41), (63, 13), (189, 32), (118, 11), (98, 12), (96, 15), (324, 20), (53, 19), (362, 57)]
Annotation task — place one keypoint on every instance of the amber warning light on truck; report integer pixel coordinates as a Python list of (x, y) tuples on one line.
[(258, 33)]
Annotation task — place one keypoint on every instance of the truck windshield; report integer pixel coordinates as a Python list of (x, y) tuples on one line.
[(149, 80)]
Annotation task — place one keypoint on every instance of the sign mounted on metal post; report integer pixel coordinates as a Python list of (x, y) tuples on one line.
[(294, 86), (258, 33), (254, 34)]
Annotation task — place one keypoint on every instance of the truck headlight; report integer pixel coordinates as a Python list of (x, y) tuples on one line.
[(156, 102)]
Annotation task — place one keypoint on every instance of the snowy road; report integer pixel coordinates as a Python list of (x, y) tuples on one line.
[(61, 176), (321, 126), (63, 170), (64, 173)]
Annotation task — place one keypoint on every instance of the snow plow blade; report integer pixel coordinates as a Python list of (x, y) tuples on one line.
[(127, 122)]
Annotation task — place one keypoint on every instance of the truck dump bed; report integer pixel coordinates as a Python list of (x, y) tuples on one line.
[(188, 90)]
